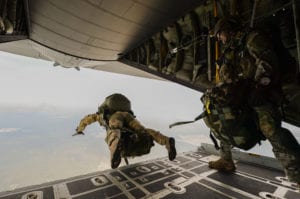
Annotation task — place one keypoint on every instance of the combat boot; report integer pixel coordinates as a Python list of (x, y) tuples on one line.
[(222, 165), (115, 152), (171, 148)]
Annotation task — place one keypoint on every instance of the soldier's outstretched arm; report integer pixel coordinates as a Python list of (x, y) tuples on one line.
[(78, 133), (87, 120)]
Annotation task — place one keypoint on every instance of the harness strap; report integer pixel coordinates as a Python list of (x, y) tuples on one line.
[(202, 115), (207, 106), (126, 160), (212, 137)]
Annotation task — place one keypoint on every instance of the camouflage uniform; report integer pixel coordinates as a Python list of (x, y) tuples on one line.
[(8, 16), (249, 55), (116, 116), (118, 121)]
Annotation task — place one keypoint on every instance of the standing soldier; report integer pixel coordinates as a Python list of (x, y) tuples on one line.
[(249, 55), (116, 116)]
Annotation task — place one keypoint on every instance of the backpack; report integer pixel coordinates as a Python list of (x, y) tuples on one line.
[(231, 124), (240, 131), (234, 125), (135, 147)]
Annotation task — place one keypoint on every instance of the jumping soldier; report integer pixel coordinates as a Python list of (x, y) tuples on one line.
[(126, 137)]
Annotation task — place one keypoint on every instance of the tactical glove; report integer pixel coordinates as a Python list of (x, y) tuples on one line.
[(78, 133)]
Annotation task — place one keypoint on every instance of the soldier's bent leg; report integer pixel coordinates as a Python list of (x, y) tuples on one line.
[(161, 139), (225, 163), (158, 137), (287, 150), (113, 140), (285, 147)]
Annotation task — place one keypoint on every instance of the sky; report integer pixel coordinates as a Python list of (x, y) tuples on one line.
[(41, 105)]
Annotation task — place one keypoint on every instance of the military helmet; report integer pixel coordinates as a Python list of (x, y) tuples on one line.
[(115, 102), (228, 23)]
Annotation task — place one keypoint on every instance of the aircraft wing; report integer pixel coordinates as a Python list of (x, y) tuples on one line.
[(186, 177)]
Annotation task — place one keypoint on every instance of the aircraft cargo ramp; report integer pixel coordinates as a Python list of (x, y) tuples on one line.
[(187, 177)]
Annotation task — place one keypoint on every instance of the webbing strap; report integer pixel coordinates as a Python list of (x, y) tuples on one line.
[(202, 115), (207, 106), (126, 160), (217, 147)]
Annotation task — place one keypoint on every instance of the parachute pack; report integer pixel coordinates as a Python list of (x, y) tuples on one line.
[(136, 144), (238, 127)]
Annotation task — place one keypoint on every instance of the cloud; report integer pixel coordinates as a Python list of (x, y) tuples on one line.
[(99, 134), (104, 164), (8, 130), (61, 117)]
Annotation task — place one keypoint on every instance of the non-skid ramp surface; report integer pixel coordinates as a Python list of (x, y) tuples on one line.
[(187, 177)]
